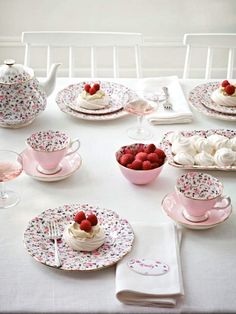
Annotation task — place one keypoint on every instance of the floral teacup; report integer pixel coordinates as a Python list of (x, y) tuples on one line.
[(49, 148), (199, 193)]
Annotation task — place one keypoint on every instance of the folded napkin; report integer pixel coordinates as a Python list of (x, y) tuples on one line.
[(181, 112), (153, 242)]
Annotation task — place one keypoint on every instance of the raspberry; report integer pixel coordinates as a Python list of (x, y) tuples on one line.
[(225, 83), (160, 153), (230, 89), (92, 91), (153, 157), (156, 164), (146, 165), (137, 164), (126, 159), (129, 166), (150, 148), (87, 87), (86, 225), (93, 219), (141, 156), (79, 217), (140, 148), (128, 151), (96, 86)]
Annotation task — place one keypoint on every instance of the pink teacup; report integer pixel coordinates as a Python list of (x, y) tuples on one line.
[(49, 148), (199, 193)]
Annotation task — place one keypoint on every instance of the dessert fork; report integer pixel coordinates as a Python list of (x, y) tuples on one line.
[(54, 234), (167, 105)]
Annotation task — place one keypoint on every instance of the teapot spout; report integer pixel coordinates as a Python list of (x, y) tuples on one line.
[(49, 84)]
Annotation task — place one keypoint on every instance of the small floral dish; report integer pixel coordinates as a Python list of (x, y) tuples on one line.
[(140, 163)]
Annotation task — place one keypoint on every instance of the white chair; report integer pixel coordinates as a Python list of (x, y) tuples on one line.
[(210, 41), (90, 40)]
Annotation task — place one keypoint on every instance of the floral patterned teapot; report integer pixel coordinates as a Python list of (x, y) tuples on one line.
[(22, 97)]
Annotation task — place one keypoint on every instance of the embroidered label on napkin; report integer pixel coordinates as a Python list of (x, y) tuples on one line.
[(149, 267)]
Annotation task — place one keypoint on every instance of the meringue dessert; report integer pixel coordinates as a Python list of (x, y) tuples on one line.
[(225, 95), (93, 98), (214, 150), (224, 157), (84, 233)]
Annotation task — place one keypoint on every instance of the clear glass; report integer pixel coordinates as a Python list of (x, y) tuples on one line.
[(11, 166), (140, 107)]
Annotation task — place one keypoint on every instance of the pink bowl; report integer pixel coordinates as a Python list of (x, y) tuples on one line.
[(139, 177)]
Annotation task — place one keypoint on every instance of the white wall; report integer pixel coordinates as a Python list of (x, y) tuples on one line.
[(162, 22)]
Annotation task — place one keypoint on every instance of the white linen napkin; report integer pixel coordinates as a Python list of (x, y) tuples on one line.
[(181, 112), (153, 242)]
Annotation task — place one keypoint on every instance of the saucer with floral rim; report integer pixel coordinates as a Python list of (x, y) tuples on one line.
[(174, 210), (69, 165)]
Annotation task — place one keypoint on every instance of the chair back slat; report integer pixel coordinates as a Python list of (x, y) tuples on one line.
[(91, 40), (210, 41)]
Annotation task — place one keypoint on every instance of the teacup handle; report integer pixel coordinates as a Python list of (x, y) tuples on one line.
[(72, 150), (222, 198)]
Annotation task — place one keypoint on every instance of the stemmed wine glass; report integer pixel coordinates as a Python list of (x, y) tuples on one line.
[(11, 166), (140, 107)]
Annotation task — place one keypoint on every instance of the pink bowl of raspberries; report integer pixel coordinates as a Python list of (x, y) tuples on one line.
[(140, 163)]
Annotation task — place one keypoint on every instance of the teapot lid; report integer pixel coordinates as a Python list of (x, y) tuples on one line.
[(12, 73)]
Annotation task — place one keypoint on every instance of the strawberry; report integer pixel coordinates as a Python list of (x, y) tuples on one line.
[(96, 86), (141, 156), (93, 219), (128, 151), (86, 225), (150, 148), (146, 165), (92, 91), (225, 83), (230, 89), (160, 153), (153, 157), (137, 164), (87, 87), (126, 159), (80, 216)]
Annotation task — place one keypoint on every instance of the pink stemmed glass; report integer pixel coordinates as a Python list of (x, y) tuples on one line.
[(140, 108), (11, 166)]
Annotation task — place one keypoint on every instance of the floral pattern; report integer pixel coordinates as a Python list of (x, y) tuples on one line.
[(119, 238), (197, 99), (118, 93), (48, 141), (198, 185), (21, 103), (166, 145)]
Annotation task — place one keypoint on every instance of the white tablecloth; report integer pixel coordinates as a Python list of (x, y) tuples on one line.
[(208, 257)]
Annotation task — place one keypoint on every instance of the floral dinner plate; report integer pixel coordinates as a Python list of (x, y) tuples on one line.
[(119, 95), (200, 100), (119, 239)]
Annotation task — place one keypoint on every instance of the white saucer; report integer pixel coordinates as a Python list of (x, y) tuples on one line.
[(69, 165), (174, 210)]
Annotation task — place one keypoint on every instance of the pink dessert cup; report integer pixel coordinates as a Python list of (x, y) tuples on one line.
[(139, 177)]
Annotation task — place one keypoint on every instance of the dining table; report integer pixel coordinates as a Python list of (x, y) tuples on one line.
[(208, 257)]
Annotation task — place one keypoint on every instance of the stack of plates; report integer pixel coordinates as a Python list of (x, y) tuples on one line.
[(119, 95), (200, 99)]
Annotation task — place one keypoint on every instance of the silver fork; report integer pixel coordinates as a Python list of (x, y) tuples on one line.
[(167, 105), (54, 234)]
